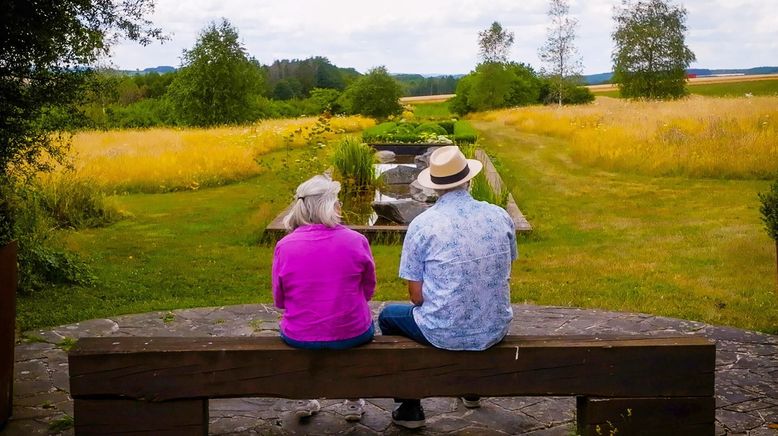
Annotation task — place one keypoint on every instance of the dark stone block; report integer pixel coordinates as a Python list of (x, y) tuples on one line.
[(400, 212)]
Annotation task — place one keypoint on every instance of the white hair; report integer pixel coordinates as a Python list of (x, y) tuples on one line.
[(314, 203)]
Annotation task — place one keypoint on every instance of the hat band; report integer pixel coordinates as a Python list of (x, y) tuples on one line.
[(452, 178)]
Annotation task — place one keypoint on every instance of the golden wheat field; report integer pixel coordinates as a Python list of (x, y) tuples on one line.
[(170, 159), (696, 137)]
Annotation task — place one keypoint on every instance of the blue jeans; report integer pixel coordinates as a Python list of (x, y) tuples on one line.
[(331, 345), (397, 319)]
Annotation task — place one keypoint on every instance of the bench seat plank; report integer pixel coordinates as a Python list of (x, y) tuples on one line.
[(163, 369)]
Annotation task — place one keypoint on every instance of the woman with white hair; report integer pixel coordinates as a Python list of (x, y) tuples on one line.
[(323, 277)]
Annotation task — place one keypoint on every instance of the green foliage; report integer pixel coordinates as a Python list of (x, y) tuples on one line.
[(354, 161), (218, 82), (481, 190), (430, 127), (410, 132), (651, 56), (496, 85), (769, 210), (375, 95), (464, 133), (572, 92), (42, 43)]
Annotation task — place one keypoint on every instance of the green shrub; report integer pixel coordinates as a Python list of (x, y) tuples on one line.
[(430, 127), (448, 126), (354, 161), (464, 133), (42, 259)]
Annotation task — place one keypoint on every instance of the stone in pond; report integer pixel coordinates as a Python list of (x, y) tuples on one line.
[(400, 212), (385, 156), (400, 175), (420, 193), (422, 161)]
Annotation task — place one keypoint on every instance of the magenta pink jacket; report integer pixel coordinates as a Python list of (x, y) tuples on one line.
[(323, 277)]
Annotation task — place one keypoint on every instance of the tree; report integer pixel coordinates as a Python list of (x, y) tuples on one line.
[(769, 211), (651, 56), (46, 49), (218, 82), (495, 85), (376, 94), (559, 51), (494, 44)]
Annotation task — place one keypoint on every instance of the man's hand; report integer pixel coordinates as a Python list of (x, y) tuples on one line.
[(414, 291)]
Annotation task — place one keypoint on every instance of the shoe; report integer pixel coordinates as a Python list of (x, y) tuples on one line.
[(353, 410), (409, 415), (306, 408), (471, 402)]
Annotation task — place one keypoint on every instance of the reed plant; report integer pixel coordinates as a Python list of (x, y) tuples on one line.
[(694, 137), (168, 159), (354, 162)]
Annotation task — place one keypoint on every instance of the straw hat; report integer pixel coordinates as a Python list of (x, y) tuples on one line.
[(448, 168)]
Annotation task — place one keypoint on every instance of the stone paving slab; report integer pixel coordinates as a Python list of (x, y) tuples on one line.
[(746, 377)]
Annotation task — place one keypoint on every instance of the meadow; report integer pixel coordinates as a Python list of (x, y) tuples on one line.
[(728, 138), (168, 159), (610, 233)]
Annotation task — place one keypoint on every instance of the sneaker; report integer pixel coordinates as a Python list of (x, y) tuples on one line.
[(306, 408), (409, 414), (353, 410), (471, 402)]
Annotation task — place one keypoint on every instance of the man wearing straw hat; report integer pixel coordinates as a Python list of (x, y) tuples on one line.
[(457, 259)]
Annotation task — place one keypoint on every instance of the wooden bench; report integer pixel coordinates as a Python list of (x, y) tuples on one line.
[(156, 385)]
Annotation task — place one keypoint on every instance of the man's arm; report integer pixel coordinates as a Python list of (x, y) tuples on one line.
[(414, 291)]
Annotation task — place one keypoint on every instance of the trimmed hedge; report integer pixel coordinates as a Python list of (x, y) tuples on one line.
[(464, 133), (458, 131)]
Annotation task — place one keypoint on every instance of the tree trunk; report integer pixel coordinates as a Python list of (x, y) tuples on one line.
[(776, 257), (8, 281)]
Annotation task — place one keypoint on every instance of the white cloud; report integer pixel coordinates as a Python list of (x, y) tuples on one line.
[(437, 36)]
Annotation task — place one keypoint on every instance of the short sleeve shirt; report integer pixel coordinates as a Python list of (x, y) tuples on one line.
[(461, 249)]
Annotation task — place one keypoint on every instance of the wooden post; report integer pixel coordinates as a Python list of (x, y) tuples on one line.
[(8, 281), (131, 417)]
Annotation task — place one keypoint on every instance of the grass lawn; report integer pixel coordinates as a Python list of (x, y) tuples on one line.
[(687, 248), (432, 110)]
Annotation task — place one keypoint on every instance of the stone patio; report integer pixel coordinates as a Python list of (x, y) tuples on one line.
[(746, 377)]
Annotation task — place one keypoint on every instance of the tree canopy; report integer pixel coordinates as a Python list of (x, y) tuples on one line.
[(218, 82), (376, 94), (46, 50), (650, 56), (494, 43)]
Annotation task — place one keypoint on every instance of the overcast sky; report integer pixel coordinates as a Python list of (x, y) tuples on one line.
[(440, 36)]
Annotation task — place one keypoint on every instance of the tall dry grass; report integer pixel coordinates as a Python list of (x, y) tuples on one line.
[(168, 159), (696, 137)]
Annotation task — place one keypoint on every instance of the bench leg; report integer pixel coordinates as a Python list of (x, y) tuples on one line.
[(131, 417), (646, 416)]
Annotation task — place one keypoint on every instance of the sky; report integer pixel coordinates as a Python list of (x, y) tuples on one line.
[(441, 36)]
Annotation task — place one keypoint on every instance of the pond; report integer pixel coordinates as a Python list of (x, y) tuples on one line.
[(389, 208)]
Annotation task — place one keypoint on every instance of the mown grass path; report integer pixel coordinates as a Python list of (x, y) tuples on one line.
[(679, 247)]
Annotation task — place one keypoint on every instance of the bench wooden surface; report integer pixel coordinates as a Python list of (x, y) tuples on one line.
[(162, 384)]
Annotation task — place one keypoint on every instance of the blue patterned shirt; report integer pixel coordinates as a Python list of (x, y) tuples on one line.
[(461, 249)]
